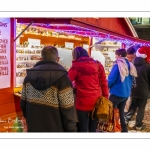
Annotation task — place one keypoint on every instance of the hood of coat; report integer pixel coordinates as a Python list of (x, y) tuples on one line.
[(44, 74), (138, 61), (86, 65)]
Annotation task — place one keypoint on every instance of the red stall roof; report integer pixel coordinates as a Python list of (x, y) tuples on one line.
[(119, 29)]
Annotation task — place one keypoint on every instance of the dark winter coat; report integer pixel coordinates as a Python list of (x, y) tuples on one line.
[(143, 80), (47, 99), (88, 75)]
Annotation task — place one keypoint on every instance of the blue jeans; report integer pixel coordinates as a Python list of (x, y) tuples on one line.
[(120, 102), (86, 124)]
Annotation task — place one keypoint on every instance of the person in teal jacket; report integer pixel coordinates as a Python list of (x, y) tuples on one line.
[(120, 83)]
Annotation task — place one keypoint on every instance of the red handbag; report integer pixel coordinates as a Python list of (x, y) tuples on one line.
[(111, 125)]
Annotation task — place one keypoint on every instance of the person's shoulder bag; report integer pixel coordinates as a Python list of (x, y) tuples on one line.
[(103, 109)]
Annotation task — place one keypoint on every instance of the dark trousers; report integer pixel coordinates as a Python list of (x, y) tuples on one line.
[(140, 104), (120, 102), (86, 124)]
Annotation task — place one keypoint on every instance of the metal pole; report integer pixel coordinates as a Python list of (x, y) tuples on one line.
[(24, 30)]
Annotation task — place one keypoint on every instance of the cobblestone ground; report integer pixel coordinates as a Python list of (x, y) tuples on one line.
[(146, 120)]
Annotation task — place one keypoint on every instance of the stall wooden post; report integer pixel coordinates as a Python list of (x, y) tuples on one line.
[(90, 44), (123, 45)]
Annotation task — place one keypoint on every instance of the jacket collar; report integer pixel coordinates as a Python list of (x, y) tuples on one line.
[(83, 59), (43, 62)]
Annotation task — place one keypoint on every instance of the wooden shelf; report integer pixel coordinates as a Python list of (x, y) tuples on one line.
[(17, 94), (27, 60), (27, 54), (25, 48), (24, 68)]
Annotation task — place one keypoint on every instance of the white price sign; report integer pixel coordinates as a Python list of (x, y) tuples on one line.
[(4, 53), (34, 42), (69, 45)]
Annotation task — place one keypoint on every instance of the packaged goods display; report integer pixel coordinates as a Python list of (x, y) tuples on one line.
[(108, 49), (27, 57)]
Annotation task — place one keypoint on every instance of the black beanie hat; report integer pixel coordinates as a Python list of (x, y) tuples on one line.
[(133, 49)]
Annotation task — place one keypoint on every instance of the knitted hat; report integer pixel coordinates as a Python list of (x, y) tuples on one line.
[(144, 52)]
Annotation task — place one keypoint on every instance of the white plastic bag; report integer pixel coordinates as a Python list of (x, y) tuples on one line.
[(128, 104)]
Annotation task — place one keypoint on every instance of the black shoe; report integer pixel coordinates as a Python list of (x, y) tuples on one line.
[(142, 128)]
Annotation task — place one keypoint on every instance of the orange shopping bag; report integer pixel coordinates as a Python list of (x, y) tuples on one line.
[(111, 125), (117, 126)]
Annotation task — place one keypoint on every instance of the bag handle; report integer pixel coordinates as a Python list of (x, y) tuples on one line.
[(92, 114), (110, 113)]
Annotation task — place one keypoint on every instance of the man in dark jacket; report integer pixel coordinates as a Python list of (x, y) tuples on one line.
[(140, 93), (131, 54), (47, 99)]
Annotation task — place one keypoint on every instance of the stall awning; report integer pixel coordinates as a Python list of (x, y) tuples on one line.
[(117, 29)]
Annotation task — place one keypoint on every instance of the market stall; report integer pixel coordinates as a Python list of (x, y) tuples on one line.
[(67, 34), (27, 36)]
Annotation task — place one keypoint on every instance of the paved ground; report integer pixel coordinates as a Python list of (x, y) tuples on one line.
[(132, 122), (146, 119)]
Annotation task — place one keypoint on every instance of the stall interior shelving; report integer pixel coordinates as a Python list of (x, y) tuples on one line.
[(35, 38)]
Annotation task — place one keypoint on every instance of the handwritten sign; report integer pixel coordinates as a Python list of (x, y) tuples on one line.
[(4, 53)]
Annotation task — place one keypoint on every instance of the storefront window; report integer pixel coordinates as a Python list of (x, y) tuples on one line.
[(145, 20), (140, 21)]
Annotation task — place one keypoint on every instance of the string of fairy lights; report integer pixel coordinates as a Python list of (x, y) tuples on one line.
[(56, 30)]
